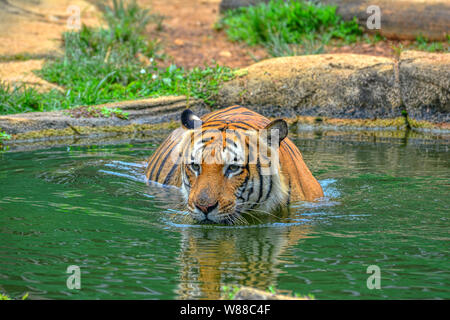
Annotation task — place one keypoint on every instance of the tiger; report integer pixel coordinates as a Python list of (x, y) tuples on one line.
[(231, 162)]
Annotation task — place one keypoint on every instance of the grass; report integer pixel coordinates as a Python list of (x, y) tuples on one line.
[(288, 28), (280, 25), (97, 111), (229, 292), (112, 63), (20, 98), (4, 136), (117, 63)]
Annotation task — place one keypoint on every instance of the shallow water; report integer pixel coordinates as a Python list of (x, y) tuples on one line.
[(387, 204)]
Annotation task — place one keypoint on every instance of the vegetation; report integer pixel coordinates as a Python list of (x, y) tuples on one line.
[(229, 293), (20, 98), (111, 64), (279, 24), (119, 62), (287, 28), (6, 297), (4, 136)]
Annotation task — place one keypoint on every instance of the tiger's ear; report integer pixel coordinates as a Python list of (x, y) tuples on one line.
[(189, 120), (279, 125)]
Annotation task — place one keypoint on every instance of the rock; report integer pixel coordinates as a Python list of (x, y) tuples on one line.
[(179, 42), (345, 86), (225, 53), (400, 19), (425, 85), (332, 85)]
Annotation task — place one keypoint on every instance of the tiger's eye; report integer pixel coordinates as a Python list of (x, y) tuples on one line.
[(195, 166), (233, 168)]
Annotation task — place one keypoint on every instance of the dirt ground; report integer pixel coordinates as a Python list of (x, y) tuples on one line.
[(21, 72), (34, 28)]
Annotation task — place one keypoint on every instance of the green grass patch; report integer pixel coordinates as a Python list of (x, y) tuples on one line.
[(19, 98), (112, 63), (229, 292), (119, 63), (4, 136), (278, 25), (424, 44), (97, 112)]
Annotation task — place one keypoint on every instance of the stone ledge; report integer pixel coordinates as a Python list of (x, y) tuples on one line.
[(140, 112), (335, 91), (247, 293), (425, 85), (346, 86)]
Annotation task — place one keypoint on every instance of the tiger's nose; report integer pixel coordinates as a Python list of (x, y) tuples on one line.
[(208, 208)]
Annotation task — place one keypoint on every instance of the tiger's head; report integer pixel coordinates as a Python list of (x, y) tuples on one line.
[(229, 169)]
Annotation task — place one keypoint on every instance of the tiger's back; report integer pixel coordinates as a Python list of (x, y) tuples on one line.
[(300, 184)]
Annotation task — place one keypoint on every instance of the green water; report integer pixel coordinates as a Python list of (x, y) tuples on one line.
[(387, 204)]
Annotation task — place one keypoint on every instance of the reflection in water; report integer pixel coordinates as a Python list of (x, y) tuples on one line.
[(214, 256)]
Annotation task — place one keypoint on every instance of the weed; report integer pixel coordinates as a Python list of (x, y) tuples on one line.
[(19, 98), (4, 136)]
